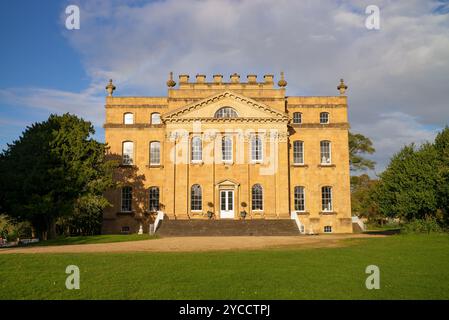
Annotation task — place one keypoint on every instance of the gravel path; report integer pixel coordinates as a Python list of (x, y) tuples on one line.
[(188, 244)]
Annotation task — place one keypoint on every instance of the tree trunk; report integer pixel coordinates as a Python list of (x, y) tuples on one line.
[(51, 229)]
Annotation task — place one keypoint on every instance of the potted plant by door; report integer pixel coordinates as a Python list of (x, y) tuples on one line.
[(243, 212), (210, 213)]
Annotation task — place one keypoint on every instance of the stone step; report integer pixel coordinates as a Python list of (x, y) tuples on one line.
[(281, 227)]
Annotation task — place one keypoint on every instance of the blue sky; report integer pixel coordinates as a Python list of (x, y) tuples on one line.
[(398, 76)]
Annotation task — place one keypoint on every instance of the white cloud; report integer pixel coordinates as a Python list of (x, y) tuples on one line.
[(400, 69)]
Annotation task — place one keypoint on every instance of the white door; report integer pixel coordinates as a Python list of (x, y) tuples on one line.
[(226, 204)]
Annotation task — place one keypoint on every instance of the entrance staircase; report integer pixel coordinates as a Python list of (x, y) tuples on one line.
[(178, 228)]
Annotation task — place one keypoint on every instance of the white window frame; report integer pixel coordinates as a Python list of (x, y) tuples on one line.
[(126, 119), (130, 160), (303, 198), (325, 207), (301, 153), (150, 199), (196, 152), (327, 117), (130, 200), (152, 118), (152, 162), (300, 117), (200, 198), (229, 138), (329, 159), (261, 151), (327, 229), (261, 200)]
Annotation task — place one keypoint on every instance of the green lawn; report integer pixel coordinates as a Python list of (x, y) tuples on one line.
[(93, 239), (411, 267)]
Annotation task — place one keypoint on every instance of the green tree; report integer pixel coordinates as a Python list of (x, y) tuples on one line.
[(51, 166), (363, 203), (442, 148), (359, 145), (408, 185)]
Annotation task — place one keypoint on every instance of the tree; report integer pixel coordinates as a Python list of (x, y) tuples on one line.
[(442, 148), (358, 146), (408, 186), (45, 171), (363, 203)]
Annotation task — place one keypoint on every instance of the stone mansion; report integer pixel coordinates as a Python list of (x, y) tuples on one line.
[(229, 150)]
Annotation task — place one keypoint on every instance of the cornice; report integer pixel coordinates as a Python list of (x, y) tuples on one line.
[(339, 125), (315, 106)]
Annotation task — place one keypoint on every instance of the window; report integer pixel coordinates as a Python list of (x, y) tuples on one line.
[(155, 153), (153, 199), (196, 203), (300, 199), (226, 148), (298, 152), (325, 148), (257, 197), (226, 112), (326, 198), (125, 230), (155, 118), (324, 117), (127, 196), (128, 118), (197, 149), (256, 148), (327, 229), (127, 152), (297, 117)]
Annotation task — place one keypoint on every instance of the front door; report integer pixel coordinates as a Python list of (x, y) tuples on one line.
[(226, 204)]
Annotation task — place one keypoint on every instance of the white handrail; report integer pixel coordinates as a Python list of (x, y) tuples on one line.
[(157, 221), (357, 220), (301, 228)]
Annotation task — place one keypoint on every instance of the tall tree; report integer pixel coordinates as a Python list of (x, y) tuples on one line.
[(45, 171), (363, 204), (359, 145), (408, 185), (442, 148)]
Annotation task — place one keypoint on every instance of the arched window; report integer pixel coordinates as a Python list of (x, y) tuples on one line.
[(155, 118), (127, 152), (128, 118), (297, 117), (127, 196), (326, 198), (300, 199), (256, 148), (298, 152), (226, 149), (257, 197), (155, 153), (196, 198), (153, 195), (325, 152), (226, 112), (324, 117), (197, 149)]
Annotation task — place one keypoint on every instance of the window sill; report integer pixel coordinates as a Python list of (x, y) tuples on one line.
[(300, 165), (328, 212), (328, 165), (154, 166), (197, 162), (256, 161), (302, 213), (125, 213), (227, 162)]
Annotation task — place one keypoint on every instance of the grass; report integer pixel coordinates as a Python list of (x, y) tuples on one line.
[(93, 239), (411, 267)]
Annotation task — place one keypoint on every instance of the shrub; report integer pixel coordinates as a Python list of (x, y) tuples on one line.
[(426, 225)]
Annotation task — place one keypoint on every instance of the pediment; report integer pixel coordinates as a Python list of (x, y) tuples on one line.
[(245, 107), (227, 182)]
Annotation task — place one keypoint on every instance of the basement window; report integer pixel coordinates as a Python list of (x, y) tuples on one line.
[(327, 229)]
